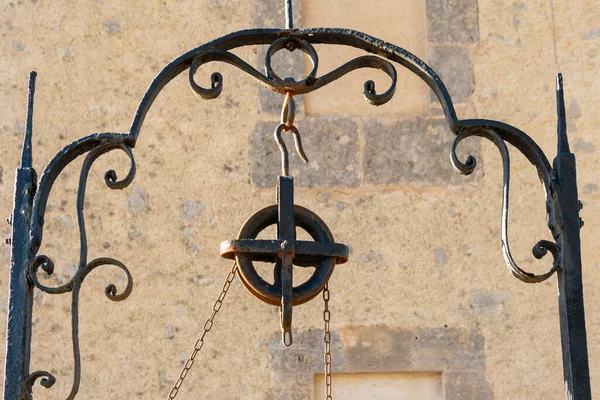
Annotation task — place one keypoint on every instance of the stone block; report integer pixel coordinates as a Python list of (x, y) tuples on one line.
[(482, 390), (291, 386), (457, 354), (331, 145), (305, 356), (446, 349), (413, 152), (452, 21), (377, 349), (459, 391), (461, 385), (453, 65)]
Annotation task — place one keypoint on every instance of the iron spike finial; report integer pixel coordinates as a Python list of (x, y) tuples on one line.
[(27, 156), (563, 140)]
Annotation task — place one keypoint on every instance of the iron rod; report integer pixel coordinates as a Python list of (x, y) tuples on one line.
[(289, 17), (286, 232)]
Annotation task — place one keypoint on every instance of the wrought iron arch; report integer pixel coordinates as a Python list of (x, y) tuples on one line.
[(559, 182)]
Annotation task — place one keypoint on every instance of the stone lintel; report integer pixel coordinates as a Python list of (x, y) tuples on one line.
[(457, 353)]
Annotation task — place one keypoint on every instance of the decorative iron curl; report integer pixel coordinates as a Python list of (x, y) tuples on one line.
[(543, 246), (95, 146), (111, 178), (47, 265), (47, 380), (74, 286), (310, 83)]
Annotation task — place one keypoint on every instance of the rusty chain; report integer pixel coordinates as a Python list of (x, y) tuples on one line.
[(207, 327), (327, 340), (210, 321)]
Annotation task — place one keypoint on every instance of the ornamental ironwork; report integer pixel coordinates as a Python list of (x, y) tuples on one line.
[(285, 251)]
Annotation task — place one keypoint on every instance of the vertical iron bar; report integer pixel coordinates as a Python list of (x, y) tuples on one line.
[(289, 17), (570, 283), (20, 297), (286, 232)]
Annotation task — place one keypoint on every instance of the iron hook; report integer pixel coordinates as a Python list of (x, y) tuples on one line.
[(285, 162)]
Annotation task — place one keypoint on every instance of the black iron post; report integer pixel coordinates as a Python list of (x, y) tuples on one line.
[(20, 297), (570, 283)]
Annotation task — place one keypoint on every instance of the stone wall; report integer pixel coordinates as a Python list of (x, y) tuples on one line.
[(426, 288)]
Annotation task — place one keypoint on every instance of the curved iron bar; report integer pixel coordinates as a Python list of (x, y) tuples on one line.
[(74, 286), (467, 168), (283, 86), (218, 50), (352, 38), (95, 146), (111, 180), (100, 143)]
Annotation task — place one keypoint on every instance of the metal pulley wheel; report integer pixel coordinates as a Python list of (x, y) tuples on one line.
[(322, 254)]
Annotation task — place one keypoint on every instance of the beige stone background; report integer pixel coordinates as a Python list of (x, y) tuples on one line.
[(424, 257)]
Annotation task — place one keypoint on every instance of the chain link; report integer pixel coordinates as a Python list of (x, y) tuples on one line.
[(207, 327), (288, 111), (327, 340)]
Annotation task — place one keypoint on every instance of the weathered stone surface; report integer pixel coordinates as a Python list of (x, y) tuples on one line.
[(453, 65), (447, 349), (487, 303), (376, 349), (590, 188), (582, 146), (137, 199), (303, 356), (412, 152), (331, 145), (291, 386), (467, 385), (403, 24), (459, 391), (441, 256), (454, 21), (190, 208)]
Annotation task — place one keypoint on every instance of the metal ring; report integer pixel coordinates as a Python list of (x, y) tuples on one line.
[(292, 43)]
